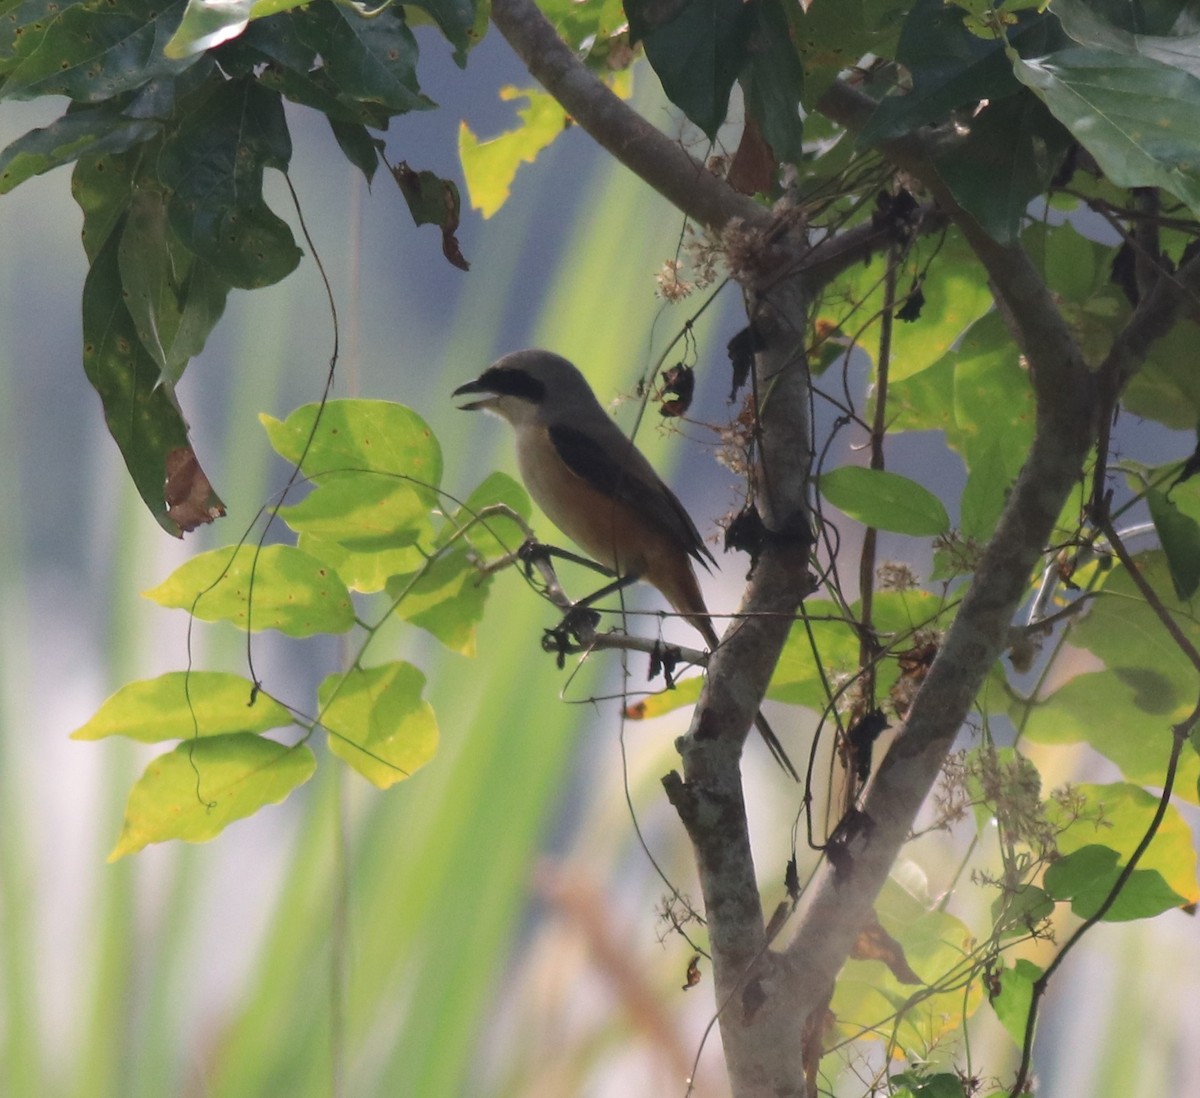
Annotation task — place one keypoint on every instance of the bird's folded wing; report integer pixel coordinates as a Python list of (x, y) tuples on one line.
[(632, 482)]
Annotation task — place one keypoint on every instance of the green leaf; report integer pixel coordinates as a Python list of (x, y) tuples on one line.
[(1015, 1000), (313, 88), (370, 58), (361, 149), (798, 678), (1011, 152), (87, 50), (950, 67), (142, 416), (101, 185), (363, 511), (834, 35), (933, 943), (378, 722), (459, 21), (1088, 875), (1140, 119), (496, 535), (885, 500), (1080, 270), (1179, 535), (1016, 914), (994, 416), (181, 705), (356, 436), (956, 296), (194, 792), (433, 201), (915, 1084), (917, 402), (1126, 716), (1127, 635), (489, 167), (174, 298), (75, 134), (1167, 387), (801, 673), (1089, 28), (291, 591), (445, 598), (208, 23), (697, 48), (213, 166), (773, 83), (1118, 816)]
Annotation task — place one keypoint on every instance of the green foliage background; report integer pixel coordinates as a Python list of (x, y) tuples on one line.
[(364, 943), (218, 963)]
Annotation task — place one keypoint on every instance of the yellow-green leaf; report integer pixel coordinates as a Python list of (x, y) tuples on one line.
[(353, 436), (686, 692), (362, 511), (292, 592), (363, 570), (489, 167), (497, 534), (935, 944), (378, 722), (445, 598), (1088, 875), (885, 500), (1126, 715), (180, 705), (194, 792), (1117, 816)]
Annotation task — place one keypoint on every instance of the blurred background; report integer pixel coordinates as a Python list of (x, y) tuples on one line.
[(490, 926)]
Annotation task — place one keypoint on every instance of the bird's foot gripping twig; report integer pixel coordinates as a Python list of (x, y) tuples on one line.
[(576, 631)]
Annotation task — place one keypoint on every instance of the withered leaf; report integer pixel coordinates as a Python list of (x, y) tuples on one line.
[(189, 496), (741, 350), (754, 164), (679, 385), (876, 944), (433, 201)]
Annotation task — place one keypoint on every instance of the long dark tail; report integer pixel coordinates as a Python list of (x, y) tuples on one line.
[(704, 625), (781, 756)]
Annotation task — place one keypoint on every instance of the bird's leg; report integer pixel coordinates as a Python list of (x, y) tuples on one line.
[(581, 620), (533, 551)]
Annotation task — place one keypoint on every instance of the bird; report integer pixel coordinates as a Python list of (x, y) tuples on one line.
[(598, 489)]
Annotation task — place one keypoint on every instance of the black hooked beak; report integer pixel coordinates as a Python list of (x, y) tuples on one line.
[(476, 386)]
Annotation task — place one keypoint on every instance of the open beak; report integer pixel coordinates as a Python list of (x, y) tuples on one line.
[(474, 387)]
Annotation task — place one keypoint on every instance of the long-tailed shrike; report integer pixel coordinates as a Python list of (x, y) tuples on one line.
[(597, 488)]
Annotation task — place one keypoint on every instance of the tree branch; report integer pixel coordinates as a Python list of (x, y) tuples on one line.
[(759, 1029), (841, 901), (649, 154)]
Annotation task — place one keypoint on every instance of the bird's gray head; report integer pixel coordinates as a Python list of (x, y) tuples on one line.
[(531, 385)]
